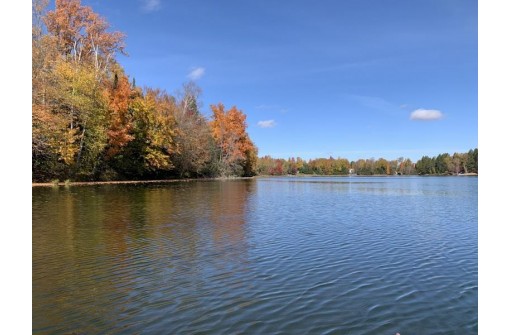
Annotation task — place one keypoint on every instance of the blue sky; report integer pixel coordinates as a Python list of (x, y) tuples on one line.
[(352, 78)]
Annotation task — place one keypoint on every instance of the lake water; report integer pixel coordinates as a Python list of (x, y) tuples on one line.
[(345, 255)]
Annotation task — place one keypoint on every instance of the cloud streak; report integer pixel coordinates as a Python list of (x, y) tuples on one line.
[(196, 73), (376, 104), (151, 5), (266, 124), (275, 108), (426, 115), (266, 107)]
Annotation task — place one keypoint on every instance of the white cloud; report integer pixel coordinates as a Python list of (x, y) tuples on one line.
[(267, 124), (196, 73), (426, 115), (151, 5)]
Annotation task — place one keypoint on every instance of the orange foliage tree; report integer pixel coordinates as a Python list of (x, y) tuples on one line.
[(236, 152), (82, 34), (119, 96)]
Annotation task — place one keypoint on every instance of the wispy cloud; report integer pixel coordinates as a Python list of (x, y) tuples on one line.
[(267, 124), (275, 108), (151, 5), (426, 115), (375, 102), (196, 73), (350, 66), (266, 107)]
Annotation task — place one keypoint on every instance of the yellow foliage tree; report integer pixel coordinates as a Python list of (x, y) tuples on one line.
[(154, 118)]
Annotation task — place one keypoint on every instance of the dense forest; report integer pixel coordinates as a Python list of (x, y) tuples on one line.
[(443, 164), (90, 121)]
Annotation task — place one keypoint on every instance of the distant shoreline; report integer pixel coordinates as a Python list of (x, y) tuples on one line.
[(372, 175), (161, 181)]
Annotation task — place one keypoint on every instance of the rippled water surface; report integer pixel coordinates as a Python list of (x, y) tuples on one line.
[(347, 255)]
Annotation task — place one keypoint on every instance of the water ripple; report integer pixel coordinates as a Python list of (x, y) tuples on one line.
[(265, 256)]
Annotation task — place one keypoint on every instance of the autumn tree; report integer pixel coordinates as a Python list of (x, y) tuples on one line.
[(250, 166), (71, 53), (381, 166), (155, 129), (82, 35), (292, 166), (264, 165), (233, 143), (393, 166), (48, 129), (68, 127), (193, 138), (81, 101), (364, 167), (300, 164), (119, 95), (407, 167), (459, 162)]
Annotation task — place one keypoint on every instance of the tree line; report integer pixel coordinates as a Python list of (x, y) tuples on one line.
[(91, 122), (443, 164), (448, 164)]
